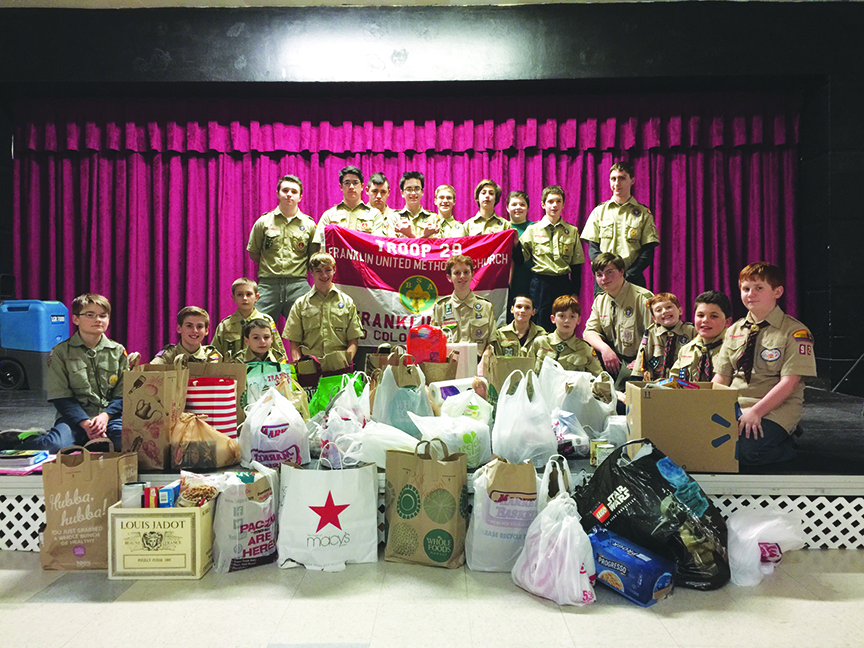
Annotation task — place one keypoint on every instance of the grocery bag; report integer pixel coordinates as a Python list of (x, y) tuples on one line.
[(426, 506), (392, 402), (523, 424), (273, 432), (261, 376), (244, 522), (295, 394), (153, 399), (757, 541), (651, 501), (79, 488), (461, 434), (328, 517), (496, 368), (580, 397), (505, 505), (330, 386), (197, 445), (215, 398), (557, 562)]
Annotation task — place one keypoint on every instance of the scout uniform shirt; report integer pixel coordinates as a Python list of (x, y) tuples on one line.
[(418, 222), (228, 338), (171, 353), (506, 341), (783, 348), (93, 377), (449, 228), (651, 355), (471, 320), (621, 321), (553, 248), (322, 323), (574, 354), (479, 225), (245, 356), (283, 244), (362, 218), (690, 355), (621, 229)]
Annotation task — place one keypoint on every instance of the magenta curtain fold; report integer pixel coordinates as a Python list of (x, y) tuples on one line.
[(151, 202)]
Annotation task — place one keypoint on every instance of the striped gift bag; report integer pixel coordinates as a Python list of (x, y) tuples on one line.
[(217, 399)]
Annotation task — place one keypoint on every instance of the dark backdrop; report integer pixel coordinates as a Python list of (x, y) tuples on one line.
[(492, 51)]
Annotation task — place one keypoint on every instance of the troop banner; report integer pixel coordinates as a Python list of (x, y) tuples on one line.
[(395, 282)]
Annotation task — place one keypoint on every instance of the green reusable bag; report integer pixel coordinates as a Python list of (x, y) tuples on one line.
[(329, 386)]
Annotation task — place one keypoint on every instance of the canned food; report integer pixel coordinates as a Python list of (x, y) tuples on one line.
[(603, 451), (592, 450)]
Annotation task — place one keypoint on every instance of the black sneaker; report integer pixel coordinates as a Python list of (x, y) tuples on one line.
[(11, 439)]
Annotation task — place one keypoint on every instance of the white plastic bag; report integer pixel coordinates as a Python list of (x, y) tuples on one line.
[(749, 529), (273, 432), (551, 380), (469, 404), (579, 399), (557, 562), (337, 423), (461, 434), (523, 426), (556, 479), (572, 438), (615, 430), (348, 399), (370, 445), (392, 403)]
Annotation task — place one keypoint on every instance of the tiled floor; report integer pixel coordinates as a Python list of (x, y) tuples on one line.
[(815, 599)]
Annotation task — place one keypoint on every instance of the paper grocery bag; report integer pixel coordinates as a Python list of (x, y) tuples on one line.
[(154, 396), (426, 506), (496, 368), (79, 488)]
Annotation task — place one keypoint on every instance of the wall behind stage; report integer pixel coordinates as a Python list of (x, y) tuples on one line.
[(489, 51)]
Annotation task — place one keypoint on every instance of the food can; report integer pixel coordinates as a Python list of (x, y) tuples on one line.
[(132, 494), (592, 450), (603, 451)]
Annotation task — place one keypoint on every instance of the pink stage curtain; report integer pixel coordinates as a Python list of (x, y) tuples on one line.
[(150, 202)]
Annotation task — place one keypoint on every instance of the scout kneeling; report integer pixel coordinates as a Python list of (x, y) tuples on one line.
[(515, 338), (228, 338), (258, 341), (563, 345), (85, 381), (324, 322), (766, 356), (663, 338), (463, 316), (193, 325), (696, 358)]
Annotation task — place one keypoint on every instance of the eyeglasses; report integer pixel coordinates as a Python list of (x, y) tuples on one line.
[(92, 316), (351, 183), (413, 189)]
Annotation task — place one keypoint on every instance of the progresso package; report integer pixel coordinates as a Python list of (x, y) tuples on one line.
[(630, 570)]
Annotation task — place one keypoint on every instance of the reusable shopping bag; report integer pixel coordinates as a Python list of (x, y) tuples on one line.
[(273, 432), (505, 505), (79, 488), (426, 506), (523, 425), (557, 561), (328, 517)]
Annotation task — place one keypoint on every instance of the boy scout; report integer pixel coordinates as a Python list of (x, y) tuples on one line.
[(520, 282), (378, 191), (193, 325), (486, 194), (766, 356), (414, 221), (85, 381), (324, 322), (515, 338), (563, 345), (228, 338), (352, 212), (696, 358), (556, 252), (619, 317), (623, 226), (448, 226), (663, 338), (258, 343), (462, 315), (279, 244)]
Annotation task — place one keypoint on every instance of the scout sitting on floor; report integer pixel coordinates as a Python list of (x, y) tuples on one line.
[(563, 345), (258, 344), (659, 348), (193, 325)]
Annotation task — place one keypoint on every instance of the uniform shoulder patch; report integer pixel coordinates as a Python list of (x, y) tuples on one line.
[(802, 335)]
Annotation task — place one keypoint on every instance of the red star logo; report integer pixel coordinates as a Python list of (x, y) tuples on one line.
[(329, 513)]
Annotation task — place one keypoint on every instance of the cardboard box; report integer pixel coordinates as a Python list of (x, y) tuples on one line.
[(160, 543), (696, 428)]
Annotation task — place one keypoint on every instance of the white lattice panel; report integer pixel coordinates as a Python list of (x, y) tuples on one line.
[(833, 522), (20, 519)]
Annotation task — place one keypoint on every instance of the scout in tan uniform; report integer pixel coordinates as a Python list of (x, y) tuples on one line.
[(193, 325), (228, 338), (378, 191), (663, 338), (85, 381), (448, 226), (462, 315), (696, 359), (515, 338), (279, 244), (766, 356), (324, 322), (352, 212), (619, 317), (563, 345), (623, 226), (487, 194), (413, 220), (556, 252), (258, 344)]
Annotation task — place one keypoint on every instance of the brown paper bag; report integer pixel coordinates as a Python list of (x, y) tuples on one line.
[(496, 368), (380, 360), (426, 506), (437, 371), (79, 488), (197, 445), (154, 396)]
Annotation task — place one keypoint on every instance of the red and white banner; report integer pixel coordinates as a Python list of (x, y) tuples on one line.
[(395, 282)]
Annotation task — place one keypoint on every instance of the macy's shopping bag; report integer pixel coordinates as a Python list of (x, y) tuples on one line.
[(79, 488), (426, 506), (328, 518)]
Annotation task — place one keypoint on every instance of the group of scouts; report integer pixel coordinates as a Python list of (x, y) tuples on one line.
[(630, 333)]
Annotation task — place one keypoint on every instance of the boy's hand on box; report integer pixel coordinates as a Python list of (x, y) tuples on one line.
[(750, 424)]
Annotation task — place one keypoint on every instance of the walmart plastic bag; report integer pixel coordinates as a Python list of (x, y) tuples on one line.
[(757, 541)]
